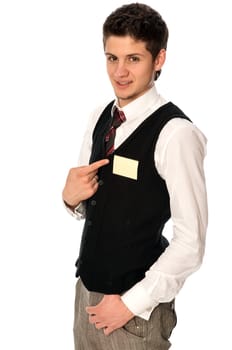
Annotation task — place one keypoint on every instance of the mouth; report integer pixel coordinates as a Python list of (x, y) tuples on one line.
[(123, 84)]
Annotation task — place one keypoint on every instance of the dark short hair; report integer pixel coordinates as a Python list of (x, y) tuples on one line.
[(141, 22)]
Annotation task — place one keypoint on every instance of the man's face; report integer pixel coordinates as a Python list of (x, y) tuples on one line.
[(130, 67)]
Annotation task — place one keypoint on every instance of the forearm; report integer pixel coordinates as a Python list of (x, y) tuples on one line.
[(164, 279)]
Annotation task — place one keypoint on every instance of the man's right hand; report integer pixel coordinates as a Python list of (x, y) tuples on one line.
[(82, 183)]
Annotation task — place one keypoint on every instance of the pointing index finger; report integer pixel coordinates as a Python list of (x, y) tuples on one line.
[(96, 165)]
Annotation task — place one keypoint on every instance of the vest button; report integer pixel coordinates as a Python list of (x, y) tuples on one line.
[(89, 223), (101, 182), (93, 202)]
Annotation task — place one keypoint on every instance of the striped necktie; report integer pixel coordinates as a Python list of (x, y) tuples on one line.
[(118, 119)]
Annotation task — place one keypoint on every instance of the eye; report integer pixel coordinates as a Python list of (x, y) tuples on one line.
[(111, 58), (134, 59)]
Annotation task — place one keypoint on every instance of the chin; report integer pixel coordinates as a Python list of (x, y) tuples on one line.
[(123, 95)]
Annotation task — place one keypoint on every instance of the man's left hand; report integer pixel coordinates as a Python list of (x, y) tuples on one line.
[(110, 314)]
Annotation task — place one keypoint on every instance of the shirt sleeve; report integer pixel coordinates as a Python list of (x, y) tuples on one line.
[(78, 213), (179, 158)]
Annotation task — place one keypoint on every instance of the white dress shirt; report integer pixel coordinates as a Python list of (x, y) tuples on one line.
[(179, 157)]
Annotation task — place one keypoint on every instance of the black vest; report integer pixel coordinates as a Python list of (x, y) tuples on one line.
[(122, 235)]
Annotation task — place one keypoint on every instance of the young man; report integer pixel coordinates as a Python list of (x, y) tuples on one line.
[(151, 170)]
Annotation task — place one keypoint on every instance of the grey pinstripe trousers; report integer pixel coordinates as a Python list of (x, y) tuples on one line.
[(137, 334)]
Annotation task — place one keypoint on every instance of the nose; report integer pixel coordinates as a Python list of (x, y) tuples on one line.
[(121, 70)]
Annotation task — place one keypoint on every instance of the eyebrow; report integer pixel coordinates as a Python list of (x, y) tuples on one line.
[(129, 55)]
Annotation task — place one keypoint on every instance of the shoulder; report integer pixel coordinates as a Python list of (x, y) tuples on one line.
[(96, 113), (179, 130), (180, 137)]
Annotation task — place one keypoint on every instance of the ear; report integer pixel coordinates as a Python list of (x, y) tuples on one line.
[(159, 60)]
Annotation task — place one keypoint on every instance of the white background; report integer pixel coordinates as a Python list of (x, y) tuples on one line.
[(52, 74)]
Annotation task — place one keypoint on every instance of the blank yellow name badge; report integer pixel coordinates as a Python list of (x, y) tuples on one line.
[(125, 167)]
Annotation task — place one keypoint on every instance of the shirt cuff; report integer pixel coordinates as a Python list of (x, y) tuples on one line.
[(78, 212), (139, 302)]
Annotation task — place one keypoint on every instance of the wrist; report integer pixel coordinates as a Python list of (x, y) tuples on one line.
[(71, 206), (77, 212)]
